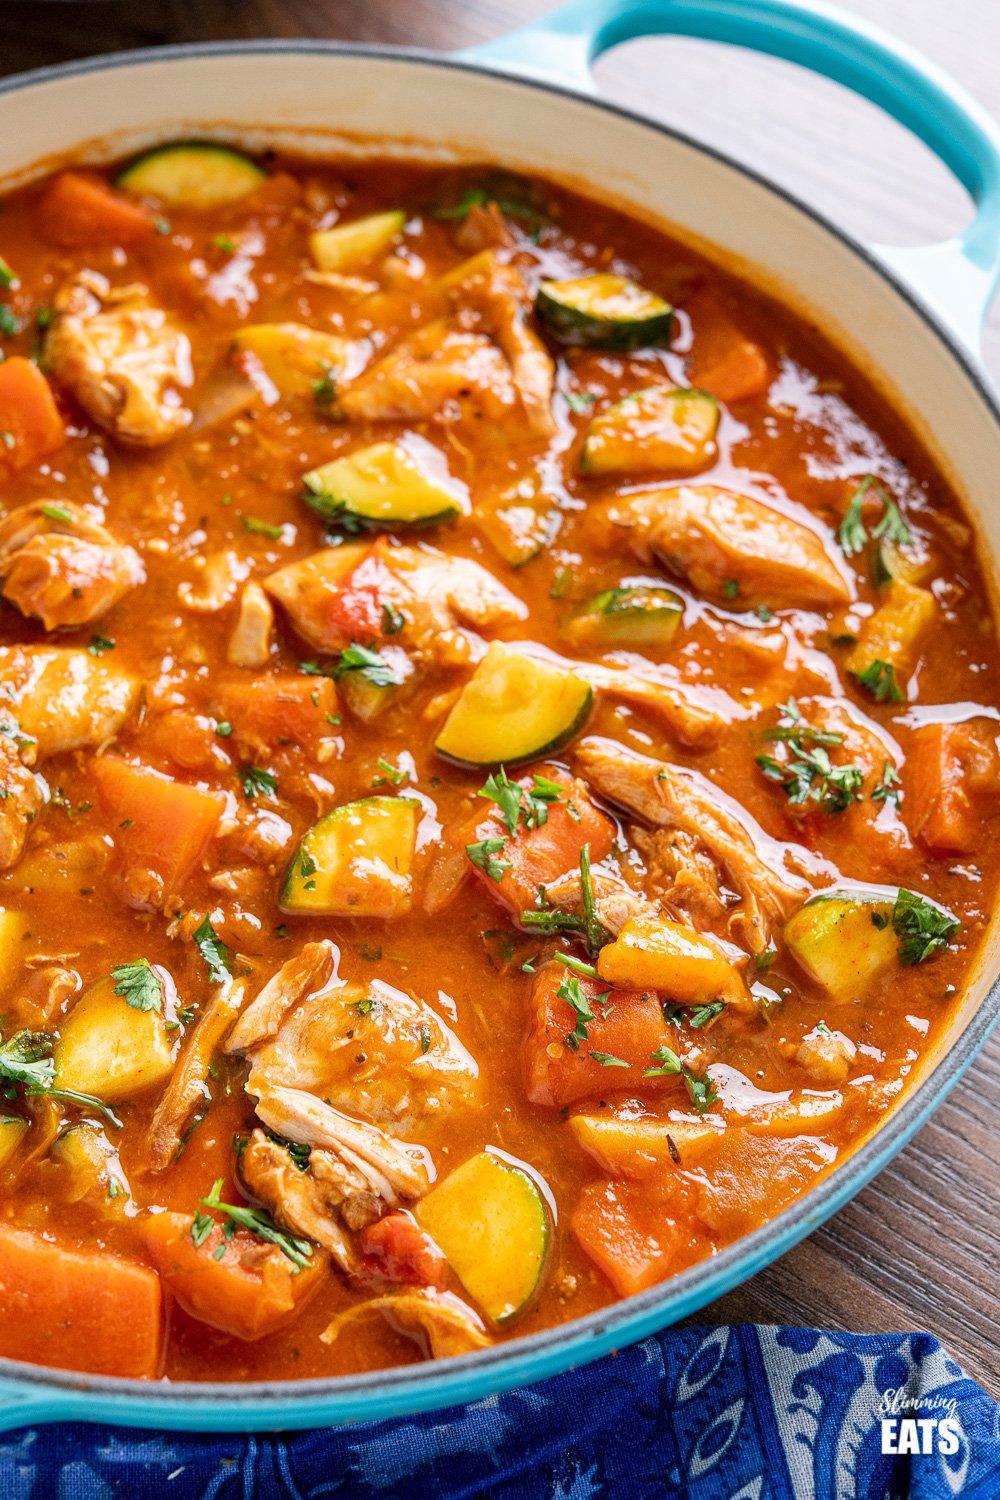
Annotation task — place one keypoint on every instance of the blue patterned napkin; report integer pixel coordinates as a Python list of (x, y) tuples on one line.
[(693, 1414)]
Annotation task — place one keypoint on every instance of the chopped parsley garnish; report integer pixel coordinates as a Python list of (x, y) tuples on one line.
[(880, 680), (324, 390), (366, 1006), (507, 795), (225, 243), (923, 929), (551, 920), (483, 857), (223, 728), (240, 1215), (578, 1002), (701, 1089), (592, 930), (889, 788), (703, 1014), (26, 1061), (852, 533), (99, 644), (765, 960), (262, 528), (257, 782), (529, 805), (214, 951), (580, 401), (8, 276), (10, 323), (577, 964), (394, 775), (511, 205), (307, 869), (369, 664), (393, 619), (561, 583), (809, 775), (55, 513), (731, 588), (138, 985), (607, 1060)]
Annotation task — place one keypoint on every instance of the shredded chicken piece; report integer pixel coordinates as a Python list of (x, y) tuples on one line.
[(21, 800), (122, 358), (733, 549), (826, 1058), (64, 698), (219, 576), (188, 1084), (307, 1202), (484, 228), (615, 903), (386, 1167), (306, 974), (43, 993), (60, 565), (250, 642), (678, 799), (344, 593), (439, 1321), (695, 715)]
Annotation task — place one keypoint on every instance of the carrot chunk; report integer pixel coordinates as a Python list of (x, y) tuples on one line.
[(30, 423), (725, 362), (240, 1285), (952, 780), (627, 1027), (398, 1249), (286, 709), (162, 825), (79, 209), (629, 1236), (79, 1310), (537, 856)]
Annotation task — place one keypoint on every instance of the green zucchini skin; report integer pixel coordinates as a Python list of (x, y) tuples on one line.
[(514, 709), (603, 312), (192, 174)]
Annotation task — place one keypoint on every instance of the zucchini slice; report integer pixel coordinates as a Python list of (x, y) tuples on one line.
[(658, 429), (638, 614), (355, 862), (386, 485), (349, 247), (12, 1131), (604, 312), (514, 708), (846, 939), (492, 1222), (192, 174), (110, 1048), (294, 358), (519, 527)]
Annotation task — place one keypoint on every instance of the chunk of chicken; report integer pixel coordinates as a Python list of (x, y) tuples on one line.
[(124, 360), (827, 1056), (309, 972), (60, 565), (218, 576), (615, 903), (350, 593), (306, 1201), (680, 801), (21, 799), (439, 1321), (695, 715), (250, 642), (734, 550), (484, 360), (66, 699), (188, 1084)]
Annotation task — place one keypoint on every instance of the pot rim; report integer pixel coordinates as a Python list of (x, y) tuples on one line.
[(433, 1385)]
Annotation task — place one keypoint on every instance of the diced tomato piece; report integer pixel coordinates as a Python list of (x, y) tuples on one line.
[(249, 1291), (951, 776), (629, 1235), (357, 608), (78, 209), (78, 1309), (162, 825), (724, 361), (398, 1249), (538, 856), (30, 423), (628, 1025), (287, 709)]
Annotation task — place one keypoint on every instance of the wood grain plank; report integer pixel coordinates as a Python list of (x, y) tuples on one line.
[(918, 1248)]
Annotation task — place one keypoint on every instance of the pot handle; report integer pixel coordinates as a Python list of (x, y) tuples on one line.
[(31, 1402), (958, 277)]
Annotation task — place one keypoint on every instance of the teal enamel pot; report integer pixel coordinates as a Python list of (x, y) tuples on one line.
[(910, 317)]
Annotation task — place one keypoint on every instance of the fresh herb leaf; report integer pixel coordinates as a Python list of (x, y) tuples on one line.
[(852, 533), (99, 644), (8, 277), (482, 856), (391, 775), (262, 528), (56, 513), (257, 782), (214, 951), (10, 323), (606, 1060), (561, 583), (701, 1090), (579, 1004), (577, 964), (225, 243), (138, 985), (880, 680), (551, 920), (592, 930), (808, 774), (889, 788), (223, 729), (507, 795), (324, 390), (369, 664), (393, 619), (26, 1061), (703, 1014), (923, 928), (731, 588), (298, 1251), (580, 401), (668, 1064)]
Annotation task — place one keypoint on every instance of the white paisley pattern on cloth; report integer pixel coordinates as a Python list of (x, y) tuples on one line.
[(692, 1414)]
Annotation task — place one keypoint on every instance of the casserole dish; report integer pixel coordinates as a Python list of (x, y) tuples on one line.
[(411, 104)]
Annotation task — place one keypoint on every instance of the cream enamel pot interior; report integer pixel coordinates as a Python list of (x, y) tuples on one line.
[(527, 103)]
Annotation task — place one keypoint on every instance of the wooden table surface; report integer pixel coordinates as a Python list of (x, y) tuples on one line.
[(918, 1248)]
